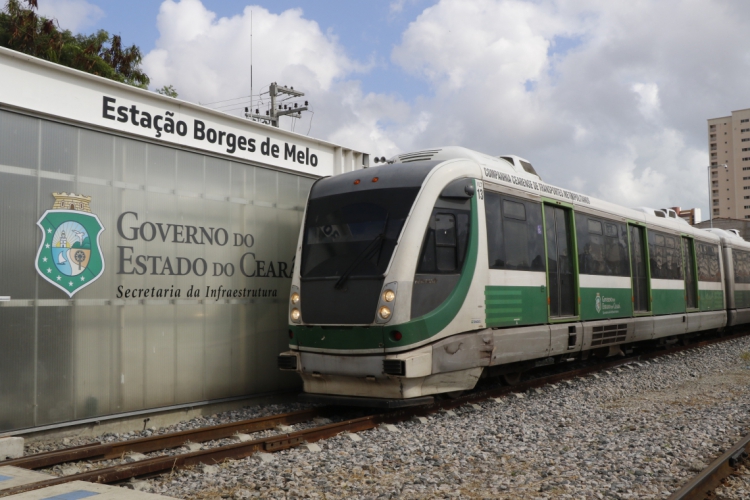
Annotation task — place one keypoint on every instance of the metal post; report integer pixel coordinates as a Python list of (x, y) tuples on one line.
[(274, 119), (275, 90)]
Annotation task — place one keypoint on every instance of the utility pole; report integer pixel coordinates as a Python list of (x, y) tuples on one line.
[(276, 112)]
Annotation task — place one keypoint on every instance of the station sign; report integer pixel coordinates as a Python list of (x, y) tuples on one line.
[(51, 89)]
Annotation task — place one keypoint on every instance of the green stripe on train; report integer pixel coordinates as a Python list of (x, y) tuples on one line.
[(515, 305), (343, 337), (432, 323), (603, 303), (668, 301), (741, 299), (711, 300)]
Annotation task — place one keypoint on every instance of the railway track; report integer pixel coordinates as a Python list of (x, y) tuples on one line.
[(703, 485), (101, 451), (270, 444)]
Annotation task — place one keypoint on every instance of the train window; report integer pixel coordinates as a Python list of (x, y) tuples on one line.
[(340, 227), (514, 210), (741, 266), (595, 227), (601, 252), (665, 258), (444, 246), (445, 230), (445, 242), (527, 166), (515, 239), (708, 262)]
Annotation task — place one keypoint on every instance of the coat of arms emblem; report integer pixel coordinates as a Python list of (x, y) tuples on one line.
[(69, 255)]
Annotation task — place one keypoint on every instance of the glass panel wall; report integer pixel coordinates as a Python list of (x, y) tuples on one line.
[(191, 303)]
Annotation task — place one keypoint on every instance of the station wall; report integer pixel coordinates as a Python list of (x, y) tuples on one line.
[(118, 344)]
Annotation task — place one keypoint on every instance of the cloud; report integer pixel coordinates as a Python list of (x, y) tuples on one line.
[(73, 15), (396, 6), (608, 98), (648, 98), (207, 59)]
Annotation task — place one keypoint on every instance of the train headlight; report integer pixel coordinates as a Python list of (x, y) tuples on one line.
[(295, 304), (384, 312)]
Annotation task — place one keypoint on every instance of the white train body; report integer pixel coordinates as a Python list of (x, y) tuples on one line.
[(419, 277)]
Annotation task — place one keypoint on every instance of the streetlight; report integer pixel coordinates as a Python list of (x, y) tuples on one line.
[(710, 190)]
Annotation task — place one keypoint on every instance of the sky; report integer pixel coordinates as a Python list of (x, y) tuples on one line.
[(608, 98)]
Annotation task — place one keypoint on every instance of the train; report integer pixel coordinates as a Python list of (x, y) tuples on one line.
[(417, 278)]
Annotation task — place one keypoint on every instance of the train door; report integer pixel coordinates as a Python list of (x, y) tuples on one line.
[(691, 283), (560, 265), (638, 269)]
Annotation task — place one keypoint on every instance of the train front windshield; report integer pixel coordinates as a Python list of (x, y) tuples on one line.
[(353, 235), (349, 239)]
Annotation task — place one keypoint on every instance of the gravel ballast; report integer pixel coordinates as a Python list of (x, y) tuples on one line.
[(639, 431), (737, 486)]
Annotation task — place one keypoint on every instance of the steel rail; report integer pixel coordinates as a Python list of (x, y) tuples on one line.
[(161, 442), (213, 455), (701, 486), (161, 464)]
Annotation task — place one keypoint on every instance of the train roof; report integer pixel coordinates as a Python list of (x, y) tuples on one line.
[(729, 237), (511, 164), (500, 170)]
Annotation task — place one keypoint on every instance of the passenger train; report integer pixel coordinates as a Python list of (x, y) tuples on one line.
[(421, 276)]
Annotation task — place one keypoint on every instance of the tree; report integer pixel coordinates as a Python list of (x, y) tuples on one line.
[(23, 30), (168, 91)]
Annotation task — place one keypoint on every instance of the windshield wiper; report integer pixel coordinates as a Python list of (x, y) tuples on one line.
[(375, 243)]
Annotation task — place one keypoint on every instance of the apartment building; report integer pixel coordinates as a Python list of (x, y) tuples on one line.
[(729, 153)]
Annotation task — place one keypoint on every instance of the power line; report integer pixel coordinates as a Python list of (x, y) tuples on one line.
[(225, 100), (311, 118), (241, 103), (230, 99)]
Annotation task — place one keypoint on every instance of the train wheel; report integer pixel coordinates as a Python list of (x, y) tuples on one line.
[(511, 378)]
